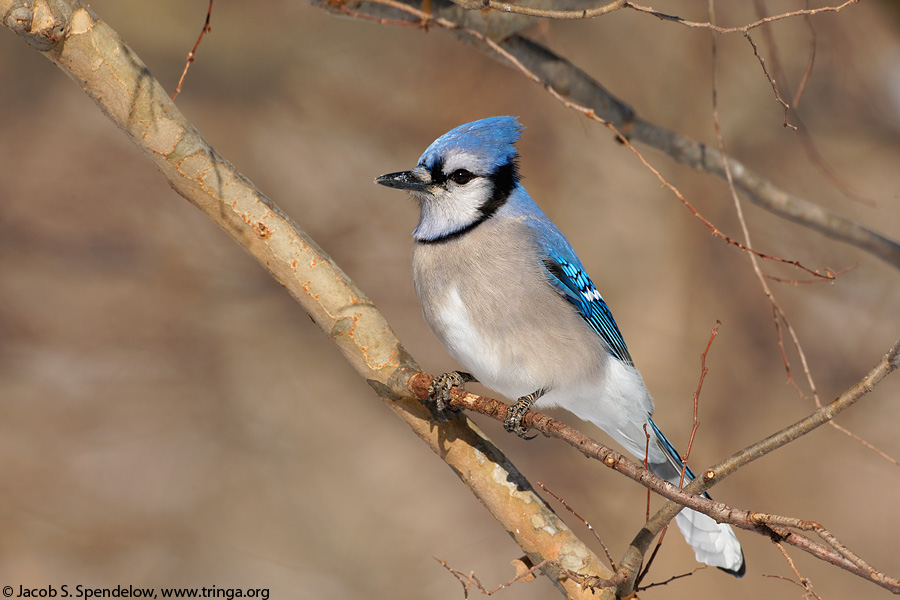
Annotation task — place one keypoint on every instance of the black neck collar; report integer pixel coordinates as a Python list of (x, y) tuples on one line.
[(504, 181)]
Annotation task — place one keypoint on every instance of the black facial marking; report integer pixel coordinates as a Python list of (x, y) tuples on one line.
[(503, 181), (437, 172)]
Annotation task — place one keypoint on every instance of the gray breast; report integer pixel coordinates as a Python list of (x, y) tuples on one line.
[(487, 298)]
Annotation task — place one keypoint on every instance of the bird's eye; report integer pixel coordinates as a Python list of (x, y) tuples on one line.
[(461, 176)]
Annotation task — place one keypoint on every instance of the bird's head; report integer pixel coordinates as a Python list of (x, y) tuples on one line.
[(463, 177)]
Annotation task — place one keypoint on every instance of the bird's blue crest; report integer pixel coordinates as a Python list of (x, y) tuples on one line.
[(489, 142)]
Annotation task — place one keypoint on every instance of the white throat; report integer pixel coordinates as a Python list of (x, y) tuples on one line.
[(447, 211)]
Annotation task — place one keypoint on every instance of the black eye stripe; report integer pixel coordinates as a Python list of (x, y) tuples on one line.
[(437, 172), (504, 181), (459, 176)]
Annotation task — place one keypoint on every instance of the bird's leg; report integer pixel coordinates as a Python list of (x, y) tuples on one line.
[(516, 412), (439, 391)]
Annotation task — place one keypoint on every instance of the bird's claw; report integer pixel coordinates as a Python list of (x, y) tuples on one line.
[(439, 392), (516, 412)]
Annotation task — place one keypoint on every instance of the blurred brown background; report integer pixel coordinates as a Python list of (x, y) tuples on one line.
[(170, 417)]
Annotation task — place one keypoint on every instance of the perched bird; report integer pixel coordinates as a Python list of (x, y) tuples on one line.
[(505, 292)]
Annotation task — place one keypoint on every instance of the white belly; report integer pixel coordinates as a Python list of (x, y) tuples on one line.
[(494, 360)]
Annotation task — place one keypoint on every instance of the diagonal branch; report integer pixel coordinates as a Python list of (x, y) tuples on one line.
[(558, 73), (569, 84), (86, 49), (888, 364), (585, 13), (743, 28), (784, 528), (603, 9)]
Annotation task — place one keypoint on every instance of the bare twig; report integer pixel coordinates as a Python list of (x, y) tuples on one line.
[(470, 580), (642, 574), (831, 550), (696, 397), (588, 97), (789, 580), (659, 540), (587, 13), (796, 282), (742, 28), (190, 57), (803, 582), (113, 75), (780, 317), (812, 151), (795, 102), (670, 579), (827, 274), (865, 444), (590, 527), (887, 365), (771, 80)]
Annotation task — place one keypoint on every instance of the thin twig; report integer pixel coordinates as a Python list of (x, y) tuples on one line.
[(771, 80), (831, 551), (803, 582), (659, 541), (796, 282), (588, 13), (190, 57), (801, 87), (779, 314), (590, 527), (785, 361), (865, 443), (812, 151), (696, 397), (780, 317), (788, 579), (671, 579), (647, 466), (889, 363), (470, 580), (828, 273), (649, 563), (742, 28), (559, 72)]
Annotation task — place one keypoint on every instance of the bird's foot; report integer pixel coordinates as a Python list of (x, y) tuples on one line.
[(439, 391), (516, 412)]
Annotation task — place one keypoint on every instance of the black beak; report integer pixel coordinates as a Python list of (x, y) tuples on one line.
[(404, 180)]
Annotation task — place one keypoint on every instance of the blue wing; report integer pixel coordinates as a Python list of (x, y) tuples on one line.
[(574, 284), (565, 273)]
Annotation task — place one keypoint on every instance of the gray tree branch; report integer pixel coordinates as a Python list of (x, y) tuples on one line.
[(571, 83), (86, 49), (787, 528)]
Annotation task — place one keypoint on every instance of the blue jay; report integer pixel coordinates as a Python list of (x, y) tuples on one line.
[(508, 297)]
